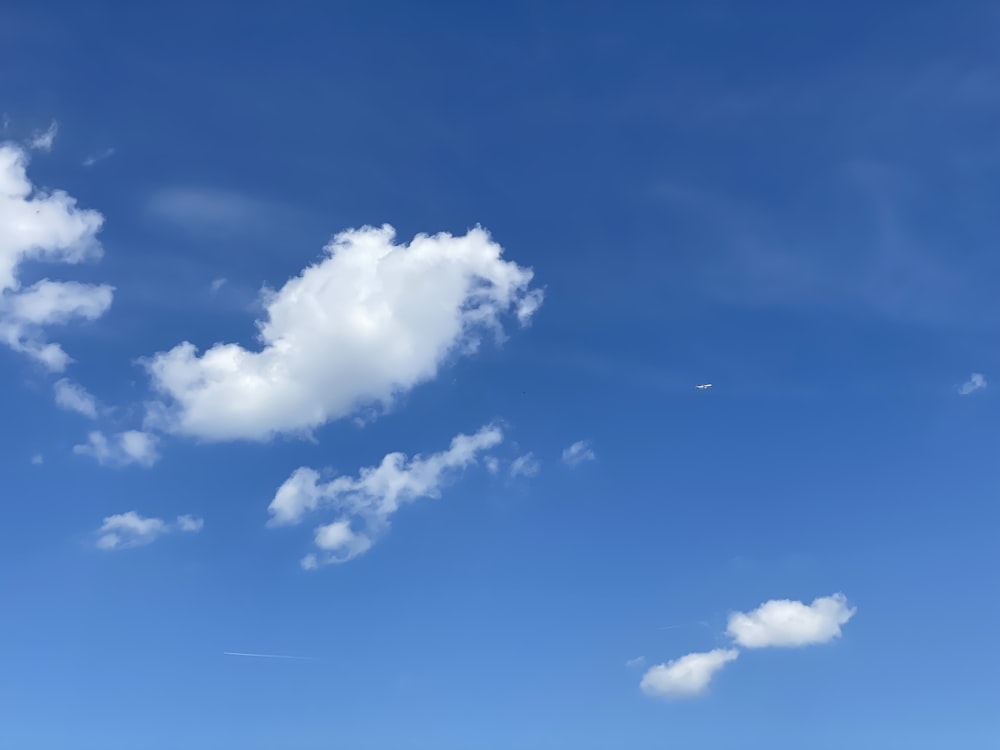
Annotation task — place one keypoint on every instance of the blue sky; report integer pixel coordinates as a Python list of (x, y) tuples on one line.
[(469, 475)]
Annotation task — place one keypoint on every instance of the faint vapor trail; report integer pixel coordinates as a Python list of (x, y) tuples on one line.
[(267, 656)]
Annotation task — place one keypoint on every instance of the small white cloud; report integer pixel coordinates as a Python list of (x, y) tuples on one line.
[(525, 466), (976, 382), (365, 503), (43, 140), (48, 227), (790, 624), (190, 524), (578, 453), (687, 676), (38, 459), (216, 284), (370, 321), (73, 397), (129, 447), (636, 662), (101, 156), (492, 464), (129, 529)]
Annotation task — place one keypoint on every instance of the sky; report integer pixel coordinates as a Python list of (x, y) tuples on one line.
[(369, 334)]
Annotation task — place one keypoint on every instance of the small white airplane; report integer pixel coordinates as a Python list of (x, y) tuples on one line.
[(703, 386)]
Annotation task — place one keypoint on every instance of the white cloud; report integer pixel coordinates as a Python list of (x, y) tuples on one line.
[(43, 140), (578, 453), (101, 156), (492, 464), (366, 323), (365, 503), (129, 529), (976, 382), (525, 466), (787, 623), (636, 662), (38, 459), (129, 447), (687, 676), (216, 284), (47, 227), (75, 397), (190, 523)]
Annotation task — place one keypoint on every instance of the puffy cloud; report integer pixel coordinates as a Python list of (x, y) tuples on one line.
[(787, 623), (132, 530), (687, 676), (525, 466), (43, 140), (129, 447), (578, 453), (73, 397), (48, 227), (368, 322), (365, 503), (976, 382)]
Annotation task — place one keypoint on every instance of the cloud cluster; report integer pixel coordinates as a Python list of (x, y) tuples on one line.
[(364, 504), (122, 449), (781, 623), (368, 322), (48, 227), (129, 529)]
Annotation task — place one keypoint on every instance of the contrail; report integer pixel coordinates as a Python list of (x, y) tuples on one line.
[(267, 656)]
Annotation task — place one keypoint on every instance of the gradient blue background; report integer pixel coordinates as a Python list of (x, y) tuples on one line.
[(794, 201)]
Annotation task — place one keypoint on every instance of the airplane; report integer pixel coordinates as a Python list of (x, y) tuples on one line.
[(703, 386)]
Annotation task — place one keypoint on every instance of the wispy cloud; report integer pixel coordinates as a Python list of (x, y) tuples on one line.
[(212, 211), (127, 530), (43, 140), (976, 382), (100, 156), (578, 453), (217, 284), (365, 503), (525, 466), (74, 397), (636, 662), (122, 449)]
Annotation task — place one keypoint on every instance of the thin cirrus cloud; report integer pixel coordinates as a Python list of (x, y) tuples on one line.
[(121, 449), (364, 504), (37, 225), (778, 623), (578, 453), (369, 321), (976, 382), (127, 530)]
